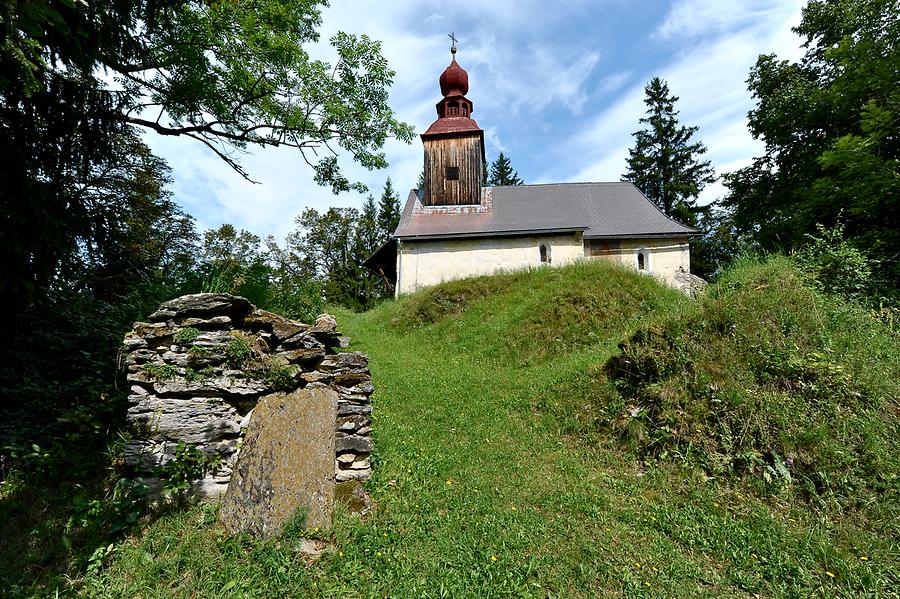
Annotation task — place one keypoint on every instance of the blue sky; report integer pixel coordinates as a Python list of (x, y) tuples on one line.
[(558, 87)]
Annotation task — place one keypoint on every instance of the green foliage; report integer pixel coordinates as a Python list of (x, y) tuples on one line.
[(187, 465), (502, 173), (186, 335), (282, 378), (719, 244), (829, 125), (388, 212), (118, 511), (496, 478), (238, 352), (836, 264), (160, 372), (767, 378), (332, 247), (664, 163)]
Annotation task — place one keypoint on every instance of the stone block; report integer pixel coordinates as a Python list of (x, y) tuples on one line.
[(352, 443), (286, 465), (203, 305)]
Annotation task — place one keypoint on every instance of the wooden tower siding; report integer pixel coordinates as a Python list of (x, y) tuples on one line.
[(463, 153)]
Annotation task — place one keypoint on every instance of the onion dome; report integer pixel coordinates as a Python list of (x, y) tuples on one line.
[(454, 80)]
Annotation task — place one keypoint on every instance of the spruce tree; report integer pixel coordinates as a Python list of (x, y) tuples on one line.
[(388, 212), (664, 163), (367, 234), (502, 173)]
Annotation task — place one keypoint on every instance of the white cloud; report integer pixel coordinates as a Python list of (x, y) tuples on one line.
[(547, 87), (710, 79), (693, 18)]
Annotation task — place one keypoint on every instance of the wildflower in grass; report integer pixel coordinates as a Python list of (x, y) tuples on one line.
[(863, 558), (493, 558), (449, 482), (830, 574)]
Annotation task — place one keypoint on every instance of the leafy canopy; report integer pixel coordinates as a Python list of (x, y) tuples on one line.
[(829, 123), (664, 162), (77, 78)]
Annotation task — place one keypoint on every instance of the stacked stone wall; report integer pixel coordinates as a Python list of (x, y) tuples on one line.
[(201, 364)]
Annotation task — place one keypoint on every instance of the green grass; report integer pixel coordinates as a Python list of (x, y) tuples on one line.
[(503, 467)]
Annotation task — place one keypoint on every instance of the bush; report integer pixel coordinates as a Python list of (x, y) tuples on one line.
[(835, 264), (766, 380)]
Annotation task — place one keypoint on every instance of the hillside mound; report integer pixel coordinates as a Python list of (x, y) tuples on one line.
[(540, 313), (763, 379)]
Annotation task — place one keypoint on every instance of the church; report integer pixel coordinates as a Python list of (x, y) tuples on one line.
[(457, 227)]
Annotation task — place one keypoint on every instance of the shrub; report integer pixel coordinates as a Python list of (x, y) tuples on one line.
[(766, 379), (238, 352), (185, 336)]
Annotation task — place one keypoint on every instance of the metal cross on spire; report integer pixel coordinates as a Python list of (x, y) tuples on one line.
[(452, 43)]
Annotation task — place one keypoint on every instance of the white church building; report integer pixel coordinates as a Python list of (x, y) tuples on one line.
[(457, 227)]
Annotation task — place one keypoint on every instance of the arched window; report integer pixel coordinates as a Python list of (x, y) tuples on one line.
[(643, 260), (545, 253), (453, 108)]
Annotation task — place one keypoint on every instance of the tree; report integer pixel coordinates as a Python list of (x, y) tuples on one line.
[(829, 123), (388, 211), (718, 244), (324, 246), (230, 75), (502, 173), (664, 163)]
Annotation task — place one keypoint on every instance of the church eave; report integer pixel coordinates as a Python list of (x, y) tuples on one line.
[(483, 234)]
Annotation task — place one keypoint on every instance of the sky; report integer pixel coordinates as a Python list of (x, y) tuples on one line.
[(557, 87)]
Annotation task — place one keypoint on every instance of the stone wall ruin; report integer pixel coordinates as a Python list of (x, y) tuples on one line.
[(202, 362)]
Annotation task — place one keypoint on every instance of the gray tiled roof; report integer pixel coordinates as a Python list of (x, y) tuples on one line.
[(601, 210)]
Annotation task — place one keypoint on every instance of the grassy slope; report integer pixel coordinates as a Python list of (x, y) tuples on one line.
[(498, 473)]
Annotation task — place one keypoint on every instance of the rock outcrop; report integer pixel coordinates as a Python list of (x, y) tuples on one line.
[(199, 367), (690, 284)]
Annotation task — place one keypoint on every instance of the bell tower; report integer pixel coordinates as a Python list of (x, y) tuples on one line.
[(454, 144)]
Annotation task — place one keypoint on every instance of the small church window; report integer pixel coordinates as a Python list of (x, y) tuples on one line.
[(453, 108), (452, 173), (640, 260), (545, 254)]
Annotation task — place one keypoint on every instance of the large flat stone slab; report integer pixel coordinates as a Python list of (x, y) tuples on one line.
[(286, 464)]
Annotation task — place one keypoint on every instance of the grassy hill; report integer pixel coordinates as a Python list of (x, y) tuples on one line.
[(583, 432)]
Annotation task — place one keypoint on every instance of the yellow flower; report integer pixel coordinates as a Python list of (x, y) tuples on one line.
[(493, 558), (829, 574), (863, 558), (449, 482)]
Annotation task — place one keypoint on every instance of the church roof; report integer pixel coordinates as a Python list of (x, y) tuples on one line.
[(600, 210)]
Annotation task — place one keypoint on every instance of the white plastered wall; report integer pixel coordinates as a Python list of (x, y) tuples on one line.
[(425, 263), (663, 258)]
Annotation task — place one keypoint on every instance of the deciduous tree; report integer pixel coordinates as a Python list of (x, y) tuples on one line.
[(75, 76), (829, 123)]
